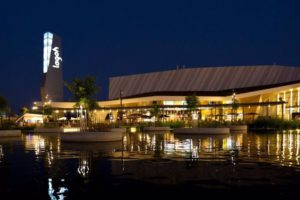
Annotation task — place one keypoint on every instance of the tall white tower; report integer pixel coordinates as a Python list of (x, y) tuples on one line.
[(52, 86)]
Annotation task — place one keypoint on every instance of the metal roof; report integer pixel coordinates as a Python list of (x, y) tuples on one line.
[(214, 80)]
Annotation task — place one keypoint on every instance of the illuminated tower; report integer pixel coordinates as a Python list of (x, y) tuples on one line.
[(52, 85)]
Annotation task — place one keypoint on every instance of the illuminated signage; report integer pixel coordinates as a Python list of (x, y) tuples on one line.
[(57, 57)]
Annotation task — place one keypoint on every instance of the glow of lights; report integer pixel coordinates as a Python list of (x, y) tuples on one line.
[(195, 152), (184, 145), (60, 192), (133, 129), (125, 138), (36, 143), (291, 101), (1, 152), (83, 168), (48, 39), (73, 129), (297, 148), (298, 99), (56, 111), (169, 146), (277, 145), (34, 108), (229, 143), (284, 141), (290, 143), (57, 58), (50, 189), (277, 110), (168, 103), (284, 99)]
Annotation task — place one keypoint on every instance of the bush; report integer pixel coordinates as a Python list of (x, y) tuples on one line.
[(212, 124), (172, 124), (8, 125), (102, 126), (267, 123)]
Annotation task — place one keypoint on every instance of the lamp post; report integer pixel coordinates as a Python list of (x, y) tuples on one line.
[(233, 102), (80, 116), (120, 113), (121, 92)]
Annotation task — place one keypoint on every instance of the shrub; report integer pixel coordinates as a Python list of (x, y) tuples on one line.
[(273, 123)]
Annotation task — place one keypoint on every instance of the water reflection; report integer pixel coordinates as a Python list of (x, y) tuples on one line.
[(36, 143), (84, 164), (282, 148), (60, 193), (1, 153), (163, 158)]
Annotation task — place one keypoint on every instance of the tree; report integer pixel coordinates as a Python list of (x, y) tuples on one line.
[(155, 111), (84, 92), (4, 108), (47, 110), (191, 105), (234, 106), (24, 110)]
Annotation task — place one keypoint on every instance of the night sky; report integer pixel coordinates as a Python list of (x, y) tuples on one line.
[(111, 38)]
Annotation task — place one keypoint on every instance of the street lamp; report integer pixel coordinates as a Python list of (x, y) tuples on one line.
[(80, 116), (120, 112)]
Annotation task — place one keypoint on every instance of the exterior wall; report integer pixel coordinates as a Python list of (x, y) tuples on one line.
[(142, 106)]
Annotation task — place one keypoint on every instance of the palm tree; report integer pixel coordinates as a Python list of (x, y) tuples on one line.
[(4, 108), (84, 93), (24, 110), (191, 104)]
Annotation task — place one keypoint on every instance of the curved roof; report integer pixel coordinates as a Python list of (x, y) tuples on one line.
[(203, 80)]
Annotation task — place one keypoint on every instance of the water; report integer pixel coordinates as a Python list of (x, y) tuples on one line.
[(40, 166)]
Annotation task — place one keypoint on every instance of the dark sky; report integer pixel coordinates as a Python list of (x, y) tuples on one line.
[(110, 38)]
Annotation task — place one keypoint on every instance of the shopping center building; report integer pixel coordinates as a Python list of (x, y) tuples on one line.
[(268, 90)]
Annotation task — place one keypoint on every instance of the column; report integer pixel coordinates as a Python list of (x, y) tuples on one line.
[(278, 106), (291, 103), (284, 99), (298, 100)]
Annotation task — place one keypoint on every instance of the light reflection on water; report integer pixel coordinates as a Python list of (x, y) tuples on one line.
[(279, 148), (1, 153), (165, 150)]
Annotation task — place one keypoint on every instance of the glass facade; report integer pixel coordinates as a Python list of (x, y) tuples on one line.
[(48, 39)]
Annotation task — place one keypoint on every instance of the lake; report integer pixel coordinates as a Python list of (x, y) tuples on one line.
[(40, 166)]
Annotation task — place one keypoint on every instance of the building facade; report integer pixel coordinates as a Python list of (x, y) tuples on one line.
[(272, 91)]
